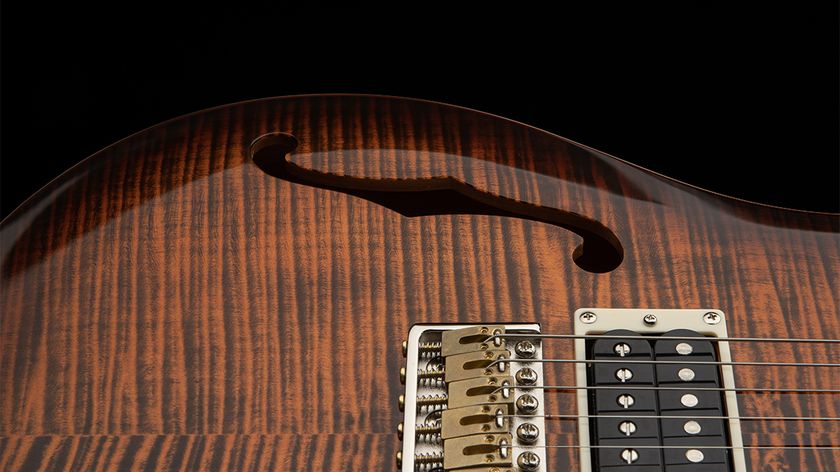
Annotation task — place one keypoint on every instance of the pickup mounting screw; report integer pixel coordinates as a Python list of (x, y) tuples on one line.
[(711, 318), (525, 349), (588, 317), (650, 320), (528, 461)]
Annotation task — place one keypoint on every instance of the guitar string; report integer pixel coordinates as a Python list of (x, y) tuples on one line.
[(679, 417), (633, 446), (652, 362), (677, 338), (662, 338), (688, 387)]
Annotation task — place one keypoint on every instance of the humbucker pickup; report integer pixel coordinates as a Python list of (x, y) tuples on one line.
[(655, 392)]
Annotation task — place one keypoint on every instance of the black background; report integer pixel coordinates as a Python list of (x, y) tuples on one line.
[(739, 99)]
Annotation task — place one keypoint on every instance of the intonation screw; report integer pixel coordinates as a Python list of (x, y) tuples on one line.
[(428, 460), (427, 401), (528, 461), (711, 318), (427, 432), (429, 349), (650, 320), (429, 375), (588, 317), (528, 433), (627, 428), (526, 376), (622, 349), (527, 404), (525, 349), (629, 456)]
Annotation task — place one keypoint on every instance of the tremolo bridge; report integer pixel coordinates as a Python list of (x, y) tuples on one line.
[(655, 392)]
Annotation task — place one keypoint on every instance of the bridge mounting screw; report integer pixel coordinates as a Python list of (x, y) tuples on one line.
[(528, 433), (399, 459), (650, 320), (711, 318), (527, 404), (528, 461), (525, 349), (588, 317), (526, 376)]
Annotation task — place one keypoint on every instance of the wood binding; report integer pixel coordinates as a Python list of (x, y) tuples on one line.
[(167, 304)]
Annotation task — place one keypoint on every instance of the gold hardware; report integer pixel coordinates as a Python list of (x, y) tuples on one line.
[(476, 364), (481, 390), (478, 450), (463, 395), (475, 419), (474, 338)]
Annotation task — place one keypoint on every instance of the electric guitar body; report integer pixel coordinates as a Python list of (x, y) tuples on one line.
[(230, 290)]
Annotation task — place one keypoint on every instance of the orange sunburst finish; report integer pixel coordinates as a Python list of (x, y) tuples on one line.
[(167, 304)]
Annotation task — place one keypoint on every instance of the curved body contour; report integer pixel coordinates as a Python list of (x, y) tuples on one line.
[(168, 304)]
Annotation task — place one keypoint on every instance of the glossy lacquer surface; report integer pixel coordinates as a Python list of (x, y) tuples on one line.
[(170, 304)]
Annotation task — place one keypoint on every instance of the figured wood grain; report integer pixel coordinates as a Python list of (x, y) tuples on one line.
[(166, 304)]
